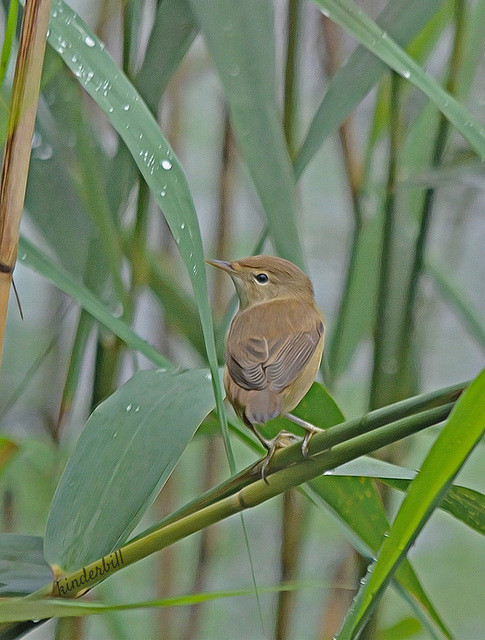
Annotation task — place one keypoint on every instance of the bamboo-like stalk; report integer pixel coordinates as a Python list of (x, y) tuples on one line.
[(249, 496), (248, 489), (20, 129), (406, 409), (290, 106), (378, 383)]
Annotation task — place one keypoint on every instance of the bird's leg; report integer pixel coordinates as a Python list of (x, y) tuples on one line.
[(310, 430), (283, 439)]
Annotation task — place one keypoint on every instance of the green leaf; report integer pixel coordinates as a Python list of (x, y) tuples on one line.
[(23, 569), (462, 503), (41, 264), (379, 42), (52, 198), (126, 452), (116, 96), (8, 37), (367, 467), (463, 430), (402, 630), (16, 609), (420, 49), (173, 32), (87, 58), (317, 407), (402, 19), (240, 39)]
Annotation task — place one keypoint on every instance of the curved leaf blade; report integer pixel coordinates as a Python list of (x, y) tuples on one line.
[(239, 36), (85, 55), (173, 32), (17, 609), (126, 452), (402, 19), (379, 42), (22, 565), (87, 58), (462, 503)]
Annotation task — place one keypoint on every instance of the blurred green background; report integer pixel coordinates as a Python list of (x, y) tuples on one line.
[(58, 364)]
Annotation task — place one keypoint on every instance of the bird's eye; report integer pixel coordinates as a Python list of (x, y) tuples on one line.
[(261, 278)]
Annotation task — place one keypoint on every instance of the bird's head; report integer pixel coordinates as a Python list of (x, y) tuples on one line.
[(263, 278)]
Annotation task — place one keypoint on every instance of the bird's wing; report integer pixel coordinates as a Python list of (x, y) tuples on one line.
[(245, 362), (289, 359), (257, 362)]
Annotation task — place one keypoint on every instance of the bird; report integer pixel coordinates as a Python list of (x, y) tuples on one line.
[(274, 345)]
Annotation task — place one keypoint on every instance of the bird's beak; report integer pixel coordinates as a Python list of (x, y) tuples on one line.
[(222, 264)]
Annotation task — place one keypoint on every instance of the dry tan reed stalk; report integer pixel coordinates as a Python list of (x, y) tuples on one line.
[(16, 156)]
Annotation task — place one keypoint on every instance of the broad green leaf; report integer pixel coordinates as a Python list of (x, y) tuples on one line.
[(126, 452), (52, 200), (401, 19), (23, 569), (30, 256), (356, 503), (420, 49), (87, 58), (240, 39), (367, 467), (172, 33), (416, 154), (97, 72), (465, 427), (346, 14), (317, 407), (463, 503)]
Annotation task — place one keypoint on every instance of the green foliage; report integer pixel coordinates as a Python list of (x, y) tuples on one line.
[(105, 178), (98, 501)]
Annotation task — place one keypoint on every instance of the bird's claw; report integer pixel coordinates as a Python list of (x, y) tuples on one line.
[(282, 440)]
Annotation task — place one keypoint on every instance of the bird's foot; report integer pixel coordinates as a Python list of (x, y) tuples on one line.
[(282, 440), (310, 430)]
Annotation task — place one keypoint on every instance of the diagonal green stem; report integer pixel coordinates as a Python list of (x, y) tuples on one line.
[(333, 436), (325, 457)]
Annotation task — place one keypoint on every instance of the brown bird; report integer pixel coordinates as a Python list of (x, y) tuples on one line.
[(274, 345)]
